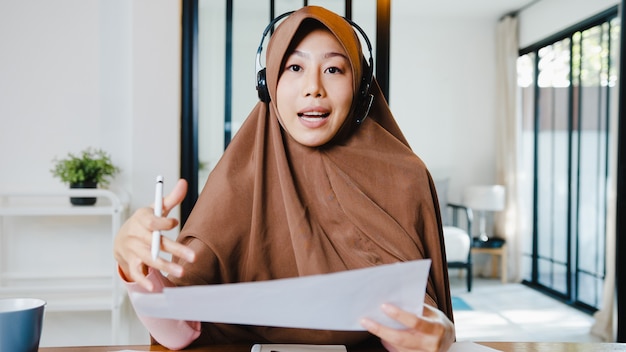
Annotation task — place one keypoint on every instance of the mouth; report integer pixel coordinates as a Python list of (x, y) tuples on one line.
[(313, 115)]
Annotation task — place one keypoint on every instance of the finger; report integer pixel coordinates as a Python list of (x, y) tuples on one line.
[(419, 331), (161, 224), (405, 318), (370, 325), (178, 249), (144, 219), (143, 260), (385, 333), (174, 248), (426, 323), (148, 222), (401, 340), (392, 339), (135, 252), (137, 275), (144, 282), (169, 268), (175, 197)]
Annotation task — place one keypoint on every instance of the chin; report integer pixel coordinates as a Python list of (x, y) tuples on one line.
[(312, 142)]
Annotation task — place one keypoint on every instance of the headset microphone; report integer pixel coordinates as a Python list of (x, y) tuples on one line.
[(364, 99)]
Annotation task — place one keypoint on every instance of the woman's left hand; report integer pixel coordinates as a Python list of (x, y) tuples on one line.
[(433, 331)]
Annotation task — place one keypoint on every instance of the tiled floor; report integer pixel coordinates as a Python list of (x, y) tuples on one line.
[(514, 312)]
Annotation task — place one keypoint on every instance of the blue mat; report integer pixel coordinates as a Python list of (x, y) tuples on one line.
[(459, 304)]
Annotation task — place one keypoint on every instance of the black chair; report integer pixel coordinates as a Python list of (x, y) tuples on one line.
[(458, 242), (457, 234)]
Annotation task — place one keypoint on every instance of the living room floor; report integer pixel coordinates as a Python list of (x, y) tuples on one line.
[(515, 312)]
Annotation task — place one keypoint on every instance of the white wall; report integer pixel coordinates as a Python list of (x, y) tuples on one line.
[(442, 88), (78, 73), (548, 17)]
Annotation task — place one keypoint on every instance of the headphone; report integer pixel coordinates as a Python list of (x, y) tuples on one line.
[(364, 100)]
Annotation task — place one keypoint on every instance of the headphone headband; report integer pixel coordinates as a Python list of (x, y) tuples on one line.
[(364, 98), (259, 67)]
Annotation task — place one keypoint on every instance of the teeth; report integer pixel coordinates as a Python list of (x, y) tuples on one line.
[(313, 114)]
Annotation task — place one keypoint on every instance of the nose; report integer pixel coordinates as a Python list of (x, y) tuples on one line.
[(313, 85)]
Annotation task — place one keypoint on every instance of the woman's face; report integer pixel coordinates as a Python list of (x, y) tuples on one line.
[(314, 92)]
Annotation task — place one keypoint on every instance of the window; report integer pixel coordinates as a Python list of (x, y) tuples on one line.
[(569, 103)]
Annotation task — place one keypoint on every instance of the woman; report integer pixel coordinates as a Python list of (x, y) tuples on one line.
[(303, 189)]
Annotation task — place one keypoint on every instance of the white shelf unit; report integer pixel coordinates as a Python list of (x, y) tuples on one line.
[(77, 286)]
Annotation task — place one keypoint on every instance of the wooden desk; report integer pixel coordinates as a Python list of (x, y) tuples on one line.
[(502, 346), (555, 346), (496, 253)]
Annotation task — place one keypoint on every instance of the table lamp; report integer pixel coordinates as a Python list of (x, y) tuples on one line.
[(484, 199)]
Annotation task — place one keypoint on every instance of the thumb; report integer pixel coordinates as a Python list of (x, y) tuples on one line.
[(175, 197)]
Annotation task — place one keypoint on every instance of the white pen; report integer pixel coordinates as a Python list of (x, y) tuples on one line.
[(158, 211)]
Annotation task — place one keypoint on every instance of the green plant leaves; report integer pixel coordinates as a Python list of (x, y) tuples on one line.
[(91, 165)]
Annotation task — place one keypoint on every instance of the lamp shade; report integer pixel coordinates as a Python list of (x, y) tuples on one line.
[(485, 198)]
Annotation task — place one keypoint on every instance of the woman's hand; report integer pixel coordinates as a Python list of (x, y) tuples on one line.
[(433, 331), (132, 243)]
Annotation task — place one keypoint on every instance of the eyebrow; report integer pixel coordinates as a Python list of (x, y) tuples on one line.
[(326, 56)]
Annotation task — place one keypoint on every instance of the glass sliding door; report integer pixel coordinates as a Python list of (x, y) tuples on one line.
[(566, 87), (593, 81), (553, 160)]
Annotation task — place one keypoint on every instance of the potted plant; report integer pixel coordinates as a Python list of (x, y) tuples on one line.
[(92, 167)]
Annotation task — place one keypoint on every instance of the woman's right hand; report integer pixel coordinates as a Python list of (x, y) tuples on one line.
[(132, 245)]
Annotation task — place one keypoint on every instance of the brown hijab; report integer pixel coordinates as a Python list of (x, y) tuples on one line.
[(273, 208)]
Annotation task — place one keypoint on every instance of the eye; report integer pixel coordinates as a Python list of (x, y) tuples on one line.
[(294, 68), (334, 70)]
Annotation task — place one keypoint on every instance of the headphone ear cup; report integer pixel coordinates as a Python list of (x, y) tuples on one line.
[(364, 87), (365, 99), (261, 86)]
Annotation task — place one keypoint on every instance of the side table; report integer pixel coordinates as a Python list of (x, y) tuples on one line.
[(497, 253)]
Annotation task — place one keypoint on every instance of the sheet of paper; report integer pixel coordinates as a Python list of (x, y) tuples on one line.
[(334, 301), (467, 346)]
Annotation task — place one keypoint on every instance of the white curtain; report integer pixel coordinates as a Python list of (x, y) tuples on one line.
[(605, 324), (507, 224)]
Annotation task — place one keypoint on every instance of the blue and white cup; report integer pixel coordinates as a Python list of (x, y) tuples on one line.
[(21, 321)]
